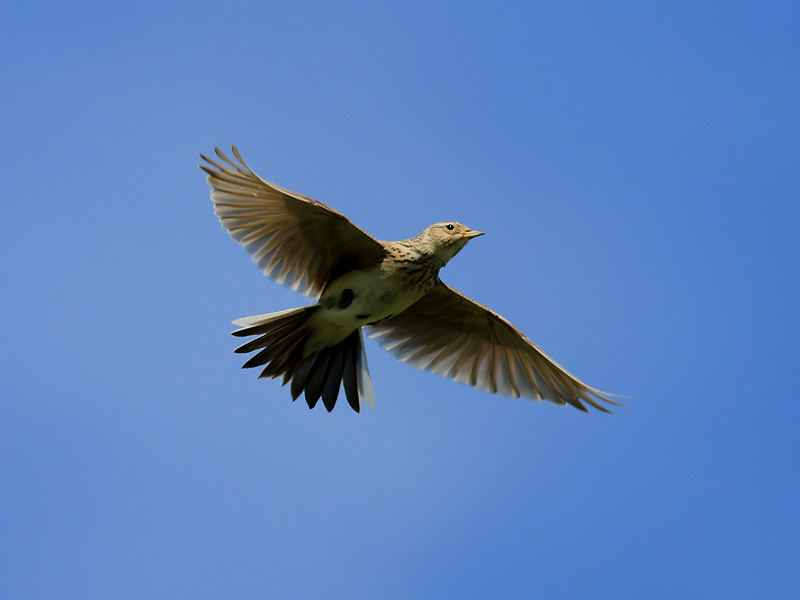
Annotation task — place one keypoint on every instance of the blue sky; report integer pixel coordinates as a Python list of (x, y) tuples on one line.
[(635, 167)]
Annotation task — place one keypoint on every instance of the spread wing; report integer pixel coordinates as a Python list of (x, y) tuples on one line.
[(451, 335), (297, 241)]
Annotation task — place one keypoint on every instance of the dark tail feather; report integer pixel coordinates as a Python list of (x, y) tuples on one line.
[(350, 378), (333, 379), (321, 375), (282, 337), (316, 378)]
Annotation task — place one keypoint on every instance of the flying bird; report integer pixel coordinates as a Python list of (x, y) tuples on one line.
[(392, 289)]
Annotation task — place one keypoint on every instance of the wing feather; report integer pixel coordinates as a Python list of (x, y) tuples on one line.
[(297, 241), (451, 335)]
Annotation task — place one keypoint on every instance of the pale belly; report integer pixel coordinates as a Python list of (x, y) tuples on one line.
[(359, 298)]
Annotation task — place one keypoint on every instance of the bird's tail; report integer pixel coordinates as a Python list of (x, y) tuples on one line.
[(282, 337)]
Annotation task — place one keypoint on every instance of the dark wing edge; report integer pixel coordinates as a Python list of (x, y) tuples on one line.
[(453, 336)]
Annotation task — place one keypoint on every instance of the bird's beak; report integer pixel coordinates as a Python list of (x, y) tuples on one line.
[(471, 234)]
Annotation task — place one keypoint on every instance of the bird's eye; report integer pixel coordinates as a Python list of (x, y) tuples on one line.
[(449, 227)]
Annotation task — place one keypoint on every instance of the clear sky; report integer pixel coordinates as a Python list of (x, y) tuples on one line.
[(635, 168)]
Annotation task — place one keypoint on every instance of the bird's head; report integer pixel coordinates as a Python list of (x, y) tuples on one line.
[(448, 238)]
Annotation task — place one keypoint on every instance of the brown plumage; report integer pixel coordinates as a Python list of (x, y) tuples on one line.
[(391, 288)]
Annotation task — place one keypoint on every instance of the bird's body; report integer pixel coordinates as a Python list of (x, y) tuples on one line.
[(391, 288), (360, 298)]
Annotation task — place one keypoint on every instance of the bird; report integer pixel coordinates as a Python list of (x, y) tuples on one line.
[(390, 289)]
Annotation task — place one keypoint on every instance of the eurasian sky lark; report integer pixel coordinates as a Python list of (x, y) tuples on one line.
[(391, 288)]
